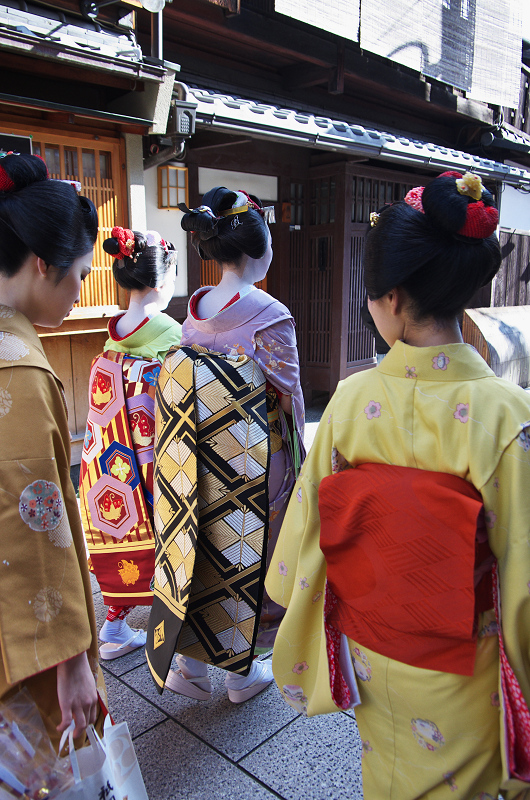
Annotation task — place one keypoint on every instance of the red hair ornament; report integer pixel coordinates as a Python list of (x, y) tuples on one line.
[(6, 184), (481, 220), (125, 239)]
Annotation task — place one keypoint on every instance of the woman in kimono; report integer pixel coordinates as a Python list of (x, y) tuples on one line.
[(121, 554), (410, 518), (236, 318), (47, 623)]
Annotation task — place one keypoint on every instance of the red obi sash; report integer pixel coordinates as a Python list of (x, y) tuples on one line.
[(408, 561)]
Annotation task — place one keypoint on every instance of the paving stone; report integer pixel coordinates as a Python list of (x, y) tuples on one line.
[(126, 706), (123, 664), (235, 730), (177, 766), (312, 758)]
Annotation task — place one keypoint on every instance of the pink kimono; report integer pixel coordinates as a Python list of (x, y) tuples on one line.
[(263, 328)]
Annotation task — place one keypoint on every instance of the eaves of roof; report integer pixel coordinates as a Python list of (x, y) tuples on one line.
[(78, 111), (38, 36), (238, 115)]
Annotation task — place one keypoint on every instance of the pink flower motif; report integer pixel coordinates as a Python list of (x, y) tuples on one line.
[(282, 569), (373, 410), (496, 484), (303, 583), (462, 412), (329, 419), (440, 361), (367, 748), (410, 372), (495, 699), (299, 495), (490, 518), (300, 667)]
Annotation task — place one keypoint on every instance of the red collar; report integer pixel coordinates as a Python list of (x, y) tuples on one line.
[(113, 332), (196, 297)]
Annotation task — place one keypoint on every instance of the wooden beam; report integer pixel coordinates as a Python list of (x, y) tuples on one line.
[(336, 78), (303, 76)]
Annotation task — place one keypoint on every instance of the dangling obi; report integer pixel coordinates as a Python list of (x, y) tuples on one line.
[(408, 563)]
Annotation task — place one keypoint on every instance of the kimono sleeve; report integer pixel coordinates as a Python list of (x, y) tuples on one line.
[(297, 580), (277, 355), (506, 498), (44, 618)]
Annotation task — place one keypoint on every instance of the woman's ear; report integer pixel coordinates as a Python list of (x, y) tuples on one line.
[(396, 300), (42, 267)]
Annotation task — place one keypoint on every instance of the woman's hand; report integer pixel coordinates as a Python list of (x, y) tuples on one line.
[(77, 694)]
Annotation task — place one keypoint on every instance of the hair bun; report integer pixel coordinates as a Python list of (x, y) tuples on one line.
[(458, 204), (112, 246), (20, 170)]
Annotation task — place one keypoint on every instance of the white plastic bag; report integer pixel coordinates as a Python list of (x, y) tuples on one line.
[(106, 769)]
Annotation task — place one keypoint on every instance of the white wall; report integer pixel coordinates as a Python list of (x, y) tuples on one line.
[(167, 222), (135, 181), (263, 186), (515, 209)]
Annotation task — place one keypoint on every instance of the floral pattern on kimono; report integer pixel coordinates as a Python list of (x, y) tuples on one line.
[(46, 608), (455, 417)]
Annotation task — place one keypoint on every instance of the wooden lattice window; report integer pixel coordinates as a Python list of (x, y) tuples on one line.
[(370, 194), (172, 186), (96, 167), (297, 204), (323, 201)]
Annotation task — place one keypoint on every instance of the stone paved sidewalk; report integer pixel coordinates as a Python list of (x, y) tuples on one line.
[(190, 750)]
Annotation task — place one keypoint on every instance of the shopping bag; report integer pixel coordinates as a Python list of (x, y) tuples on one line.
[(105, 769), (126, 770)]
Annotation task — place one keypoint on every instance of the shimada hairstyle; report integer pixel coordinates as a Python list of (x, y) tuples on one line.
[(228, 225), (42, 216), (141, 259), (438, 244)]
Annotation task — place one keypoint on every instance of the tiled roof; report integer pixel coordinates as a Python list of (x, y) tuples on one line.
[(233, 114)]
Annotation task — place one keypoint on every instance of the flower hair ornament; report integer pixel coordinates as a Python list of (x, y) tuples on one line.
[(125, 242), (153, 239), (481, 219)]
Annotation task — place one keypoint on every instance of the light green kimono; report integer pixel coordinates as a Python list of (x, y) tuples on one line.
[(426, 734), (152, 340)]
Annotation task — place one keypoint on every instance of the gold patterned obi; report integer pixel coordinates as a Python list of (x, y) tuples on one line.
[(273, 416)]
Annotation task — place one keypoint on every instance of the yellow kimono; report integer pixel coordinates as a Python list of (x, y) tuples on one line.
[(46, 609), (426, 734)]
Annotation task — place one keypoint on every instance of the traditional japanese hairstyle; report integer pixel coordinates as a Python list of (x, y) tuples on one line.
[(439, 245), (228, 225), (41, 216), (140, 259)]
